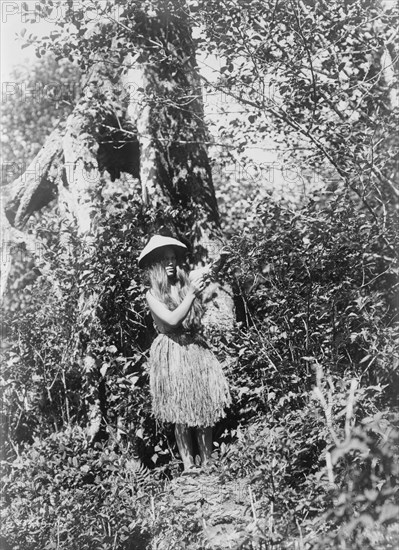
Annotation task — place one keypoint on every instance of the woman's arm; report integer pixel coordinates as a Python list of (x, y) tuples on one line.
[(174, 318)]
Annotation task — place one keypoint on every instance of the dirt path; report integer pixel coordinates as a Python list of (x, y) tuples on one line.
[(207, 514)]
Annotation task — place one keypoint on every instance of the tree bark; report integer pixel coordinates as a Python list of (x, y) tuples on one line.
[(167, 109), (30, 192)]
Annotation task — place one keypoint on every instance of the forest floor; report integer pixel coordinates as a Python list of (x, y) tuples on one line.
[(223, 514), (208, 512)]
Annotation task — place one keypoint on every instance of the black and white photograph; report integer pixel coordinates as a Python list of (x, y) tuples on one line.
[(199, 275)]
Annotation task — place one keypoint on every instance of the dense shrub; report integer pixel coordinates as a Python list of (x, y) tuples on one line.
[(312, 368), (81, 339), (62, 493), (315, 373), (316, 288), (327, 495)]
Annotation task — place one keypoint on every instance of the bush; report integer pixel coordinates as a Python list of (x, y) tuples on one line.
[(316, 289), (313, 362), (304, 487), (60, 491), (315, 367)]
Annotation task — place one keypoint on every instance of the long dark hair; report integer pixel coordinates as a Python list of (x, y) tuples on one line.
[(161, 289)]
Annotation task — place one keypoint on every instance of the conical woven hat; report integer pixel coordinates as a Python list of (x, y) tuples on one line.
[(155, 244)]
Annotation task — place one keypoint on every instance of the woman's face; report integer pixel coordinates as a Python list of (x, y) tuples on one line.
[(169, 261)]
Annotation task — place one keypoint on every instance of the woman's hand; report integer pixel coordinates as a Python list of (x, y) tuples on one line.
[(208, 272), (197, 285)]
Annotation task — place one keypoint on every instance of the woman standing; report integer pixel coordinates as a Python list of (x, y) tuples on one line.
[(187, 384)]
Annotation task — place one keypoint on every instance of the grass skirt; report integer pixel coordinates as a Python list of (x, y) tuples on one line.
[(187, 382)]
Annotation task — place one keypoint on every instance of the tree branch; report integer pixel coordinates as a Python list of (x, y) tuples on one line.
[(345, 176), (36, 187)]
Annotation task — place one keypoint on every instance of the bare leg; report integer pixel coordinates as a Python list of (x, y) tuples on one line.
[(204, 438), (184, 444)]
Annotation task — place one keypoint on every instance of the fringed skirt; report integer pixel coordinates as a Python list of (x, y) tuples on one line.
[(187, 382)]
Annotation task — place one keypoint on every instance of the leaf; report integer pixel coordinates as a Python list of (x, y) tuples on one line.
[(104, 368), (371, 494), (366, 358), (133, 379), (389, 513), (352, 445)]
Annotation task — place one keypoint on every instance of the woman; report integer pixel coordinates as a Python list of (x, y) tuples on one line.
[(188, 387)]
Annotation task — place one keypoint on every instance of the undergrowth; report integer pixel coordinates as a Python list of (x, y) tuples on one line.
[(313, 370)]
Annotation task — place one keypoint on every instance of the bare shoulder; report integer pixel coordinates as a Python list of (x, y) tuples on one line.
[(153, 302), (148, 296)]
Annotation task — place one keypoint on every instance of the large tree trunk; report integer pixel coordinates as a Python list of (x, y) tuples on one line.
[(173, 164), (167, 110)]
